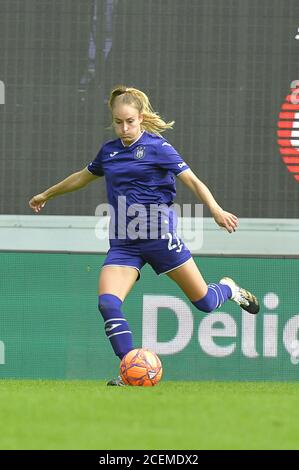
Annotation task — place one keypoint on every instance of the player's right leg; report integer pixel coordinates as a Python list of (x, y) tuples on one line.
[(117, 280), (114, 285)]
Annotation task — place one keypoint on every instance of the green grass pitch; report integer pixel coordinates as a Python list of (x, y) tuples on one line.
[(173, 415)]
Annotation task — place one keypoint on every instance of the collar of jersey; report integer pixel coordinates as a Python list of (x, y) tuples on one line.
[(128, 146)]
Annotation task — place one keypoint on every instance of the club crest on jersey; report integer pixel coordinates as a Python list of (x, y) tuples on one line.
[(139, 152)]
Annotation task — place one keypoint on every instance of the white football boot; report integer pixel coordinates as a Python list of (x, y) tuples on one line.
[(242, 297), (116, 382)]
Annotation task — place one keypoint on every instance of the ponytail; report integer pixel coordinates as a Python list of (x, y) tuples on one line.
[(152, 122)]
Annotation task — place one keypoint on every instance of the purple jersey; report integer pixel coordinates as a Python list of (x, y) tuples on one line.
[(140, 174)]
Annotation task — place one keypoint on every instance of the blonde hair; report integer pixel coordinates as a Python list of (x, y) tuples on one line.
[(152, 122)]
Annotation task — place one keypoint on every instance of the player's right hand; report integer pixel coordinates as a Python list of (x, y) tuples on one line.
[(38, 202)]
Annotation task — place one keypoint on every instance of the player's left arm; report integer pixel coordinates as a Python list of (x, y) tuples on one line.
[(222, 218)]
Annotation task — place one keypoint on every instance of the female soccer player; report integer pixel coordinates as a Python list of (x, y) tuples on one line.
[(140, 168)]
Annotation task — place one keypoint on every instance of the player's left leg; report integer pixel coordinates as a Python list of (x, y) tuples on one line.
[(169, 255), (205, 297), (209, 297)]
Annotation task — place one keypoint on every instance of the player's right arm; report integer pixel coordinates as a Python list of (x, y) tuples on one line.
[(72, 183)]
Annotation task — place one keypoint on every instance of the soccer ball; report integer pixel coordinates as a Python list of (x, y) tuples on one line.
[(141, 367)]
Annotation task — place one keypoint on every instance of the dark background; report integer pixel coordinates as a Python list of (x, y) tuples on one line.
[(220, 68)]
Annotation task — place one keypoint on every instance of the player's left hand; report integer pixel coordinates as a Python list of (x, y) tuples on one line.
[(226, 220)]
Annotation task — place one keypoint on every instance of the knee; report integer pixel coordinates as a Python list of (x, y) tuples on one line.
[(105, 301), (109, 304)]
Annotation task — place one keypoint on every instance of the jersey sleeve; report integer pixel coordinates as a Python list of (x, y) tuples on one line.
[(95, 167), (169, 159)]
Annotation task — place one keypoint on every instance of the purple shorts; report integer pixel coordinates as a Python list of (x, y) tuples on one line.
[(164, 254)]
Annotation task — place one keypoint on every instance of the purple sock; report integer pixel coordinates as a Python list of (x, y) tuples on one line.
[(116, 326), (217, 294)]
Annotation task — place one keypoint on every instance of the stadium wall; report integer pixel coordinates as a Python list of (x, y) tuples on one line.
[(50, 326), (220, 69)]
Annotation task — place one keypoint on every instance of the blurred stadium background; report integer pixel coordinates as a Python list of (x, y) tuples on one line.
[(222, 71)]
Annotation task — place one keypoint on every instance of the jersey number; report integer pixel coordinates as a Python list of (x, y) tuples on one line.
[(171, 245)]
